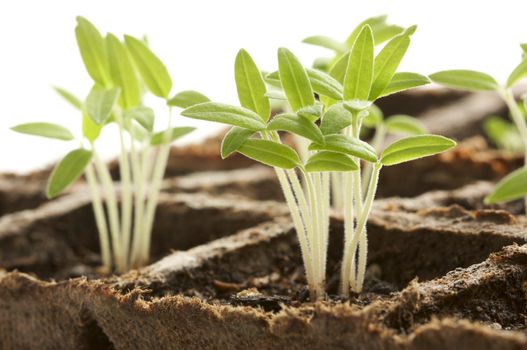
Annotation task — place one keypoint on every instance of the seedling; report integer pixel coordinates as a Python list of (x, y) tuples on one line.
[(122, 72), (330, 128), (478, 81)]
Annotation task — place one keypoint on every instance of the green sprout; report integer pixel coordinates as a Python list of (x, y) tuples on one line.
[(330, 128), (471, 80), (122, 73)]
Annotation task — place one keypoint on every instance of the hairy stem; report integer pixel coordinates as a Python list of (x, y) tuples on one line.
[(345, 272), (377, 143)]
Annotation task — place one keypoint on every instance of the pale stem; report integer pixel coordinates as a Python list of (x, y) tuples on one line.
[(377, 143), (326, 215), (314, 209), (137, 175), (348, 234), (337, 197)]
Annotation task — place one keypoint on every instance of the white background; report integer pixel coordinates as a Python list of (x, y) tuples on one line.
[(198, 41)]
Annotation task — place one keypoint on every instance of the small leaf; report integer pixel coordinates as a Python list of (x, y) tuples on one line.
[(48, 130), (250, 85), (325, 42), (415, 147), (403, 81), (273, 79), (311, 113), (503, 134), (383, 33), (296, 125), (335, 119), (100, 103), (93, 52), (359, 73), (276, 95), (324, 84), (234, 138), (322, 63), (67, 171), (68, 96), (330, 161), (373, 22), (90, 130), (338, 70), (159, 137), (465, 79), (153, 71), (270, 153), (513, 186), (123, 73), (347, 145), (143, 115), (187, 98), (405, 124), (294, 80), (374, 118), (226, 114), (518, 73)]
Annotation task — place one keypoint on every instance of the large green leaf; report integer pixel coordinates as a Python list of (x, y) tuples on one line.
[(270, 153), (100, 103), (295, 81), (330, 161), (465, 79), (187, 98), (335, 119), (296, 125), (175, 133), (153, 71), (347, 145), (67, 171), (250, 85), (415, 147), (93, 52), (325, 42), (359, 73), (226, 114), (234, 138), (68, 96), (48, 130), (403, 81), (513, 186), (404, 124), (518, 73)]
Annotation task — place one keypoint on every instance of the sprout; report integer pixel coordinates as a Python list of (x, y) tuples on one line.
[(122, 71)]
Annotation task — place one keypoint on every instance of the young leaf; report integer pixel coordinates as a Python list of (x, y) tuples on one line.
[(374, 118), (385, 32), (405, 124), (403, 81), (296, 125), (330, 161), (187, 98), (338, 70), (153, 71), (503, 134), (234, 138), (226, 114), (68, 96), (415, 147), (513, 186), (276, 95), (92, 49), (519, 72), (311, 113), (324, 84), (270, 153), (335, 119), (294, 80), (67, 171), (159, 137), (343, 144), (322, 63), (359, 73), (100, 103), (143, 115), (52, 131), (373, 22), (90, 130), (465, 79), (123, 73), (386, 63), (325, 42), (250, 85), (273, 79)]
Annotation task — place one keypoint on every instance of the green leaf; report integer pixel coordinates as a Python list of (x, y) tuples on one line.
[(294, 80), (226, 114), (143, 115), (385, 32), (335, 119), (322, 63), (250, 85), (359, 73), (68, 96), (513, 186), (49, 130), (374, 118), (311, 113), (159, 137), (405, 124), (153, 71), (403, 81), (338, 70), (273, 79), (187, 98), (415, 147), (373, 22), (347, 145), (90, 130), (465, 79), (296, 125), (386, 63), (276, 95), (67, 171), (92, 49), (270, 153), (325, 42), (100, 103), (518, 73), (234, 138), (123, 73), (324, 84), (330, 161), (503, 134)]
